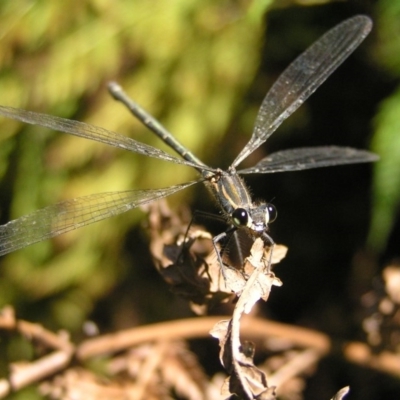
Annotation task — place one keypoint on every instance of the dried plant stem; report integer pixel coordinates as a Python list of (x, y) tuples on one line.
[(64, 351), (361, 354), (294, 367)]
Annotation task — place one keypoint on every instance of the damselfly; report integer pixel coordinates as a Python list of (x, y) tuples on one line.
[(293, 87)]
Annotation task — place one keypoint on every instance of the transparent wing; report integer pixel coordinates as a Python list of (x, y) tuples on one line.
[(309, 157), (303, 77), (88, 131), (72, 214)]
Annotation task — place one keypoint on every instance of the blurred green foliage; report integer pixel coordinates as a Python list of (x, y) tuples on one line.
[(187, 61), (387, 129)]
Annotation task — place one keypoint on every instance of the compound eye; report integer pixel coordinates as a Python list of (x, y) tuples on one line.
[(240, 217), (270, 213)]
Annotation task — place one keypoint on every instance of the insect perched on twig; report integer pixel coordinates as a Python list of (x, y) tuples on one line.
[(303, 76)]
